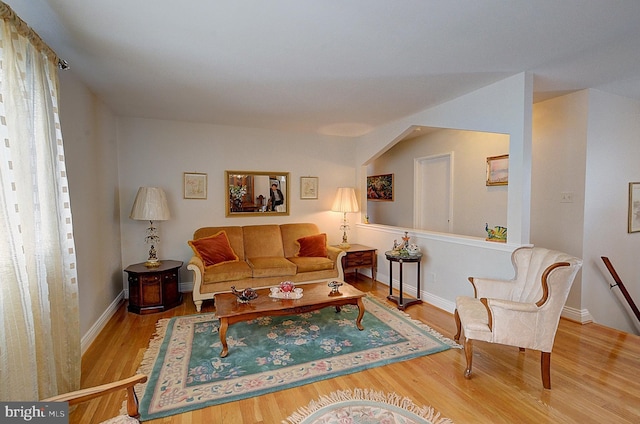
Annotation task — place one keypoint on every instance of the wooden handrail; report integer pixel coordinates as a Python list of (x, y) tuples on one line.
[(621, 286)]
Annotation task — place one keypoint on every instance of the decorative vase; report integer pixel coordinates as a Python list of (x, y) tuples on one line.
[(287, 286)]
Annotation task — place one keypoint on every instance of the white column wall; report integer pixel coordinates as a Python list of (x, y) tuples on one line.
[(502, 107)]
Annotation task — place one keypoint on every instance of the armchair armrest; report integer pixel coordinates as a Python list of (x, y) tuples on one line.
[(512, 323), (84, 395), (510, 305)]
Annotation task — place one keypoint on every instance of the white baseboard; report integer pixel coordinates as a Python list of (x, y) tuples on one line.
[(93, 332), (578, 315), (426, 297), (186, 287)]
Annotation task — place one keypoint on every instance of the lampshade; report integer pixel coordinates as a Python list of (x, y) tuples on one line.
[(345, 201), (150, 205)]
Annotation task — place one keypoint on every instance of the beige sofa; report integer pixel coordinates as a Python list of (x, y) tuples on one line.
[(266, 256)]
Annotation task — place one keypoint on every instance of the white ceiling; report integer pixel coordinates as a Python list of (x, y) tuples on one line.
[(337, 67)]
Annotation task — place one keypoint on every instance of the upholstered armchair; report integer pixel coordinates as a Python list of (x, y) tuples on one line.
[(524, 311), (127, 384)]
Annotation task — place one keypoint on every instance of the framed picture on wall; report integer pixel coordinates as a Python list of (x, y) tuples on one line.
[(634, 208), (308, 187), (195, 185), (498, 170), (380, 188)]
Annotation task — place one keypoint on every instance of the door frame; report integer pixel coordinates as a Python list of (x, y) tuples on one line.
[(418, 166)]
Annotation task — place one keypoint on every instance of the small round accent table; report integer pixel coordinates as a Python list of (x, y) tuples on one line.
[(401, 259)]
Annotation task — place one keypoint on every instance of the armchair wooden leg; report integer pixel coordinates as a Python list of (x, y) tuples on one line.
[(468, 353), (458, 326), (132, 403), (545, 365)]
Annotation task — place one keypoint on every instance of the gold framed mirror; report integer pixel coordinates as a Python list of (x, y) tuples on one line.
[(251, 193)]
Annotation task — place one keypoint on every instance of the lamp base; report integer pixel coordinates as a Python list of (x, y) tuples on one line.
[(344, 245), (152, 263)]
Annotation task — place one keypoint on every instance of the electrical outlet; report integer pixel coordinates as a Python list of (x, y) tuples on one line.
[(433, 277), (566, 197)]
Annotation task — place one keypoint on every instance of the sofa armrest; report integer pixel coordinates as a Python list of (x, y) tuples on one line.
[(333, 252), (197, 266), (336, 255)]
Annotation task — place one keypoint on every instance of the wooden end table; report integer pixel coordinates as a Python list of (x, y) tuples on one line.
[(360, 256), (315, 296), (402, 302), (154, 289)]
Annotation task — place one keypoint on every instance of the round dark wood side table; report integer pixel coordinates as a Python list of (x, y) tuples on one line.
[(401, 259)]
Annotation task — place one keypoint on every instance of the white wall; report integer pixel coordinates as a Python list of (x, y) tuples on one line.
[(156, 153), (613, 149), (586, 144), (559, 166), (503, 107), (89, 133)]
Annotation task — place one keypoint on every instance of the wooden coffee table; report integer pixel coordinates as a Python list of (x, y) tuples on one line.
[(315, 296)]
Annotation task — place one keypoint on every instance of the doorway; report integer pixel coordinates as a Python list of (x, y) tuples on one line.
[(433, 193)]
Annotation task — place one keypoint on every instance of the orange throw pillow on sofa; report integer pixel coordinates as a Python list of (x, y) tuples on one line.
[(313, 246), (214, 250)]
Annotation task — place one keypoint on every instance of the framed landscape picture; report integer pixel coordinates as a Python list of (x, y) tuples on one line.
[(498, 170), (380, 188)]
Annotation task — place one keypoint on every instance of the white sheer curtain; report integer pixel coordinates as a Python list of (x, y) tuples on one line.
[(39, 329)]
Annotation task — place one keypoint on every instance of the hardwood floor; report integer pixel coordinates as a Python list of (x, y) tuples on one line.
[(595, 374)]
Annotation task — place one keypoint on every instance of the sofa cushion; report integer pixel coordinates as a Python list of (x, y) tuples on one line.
[(229, 271), (292, 232), (262, 241), (313, 246), (273, 266), (234, 234), (214, 250), (309, 264)]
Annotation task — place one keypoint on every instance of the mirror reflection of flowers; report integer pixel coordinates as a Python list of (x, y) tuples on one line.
[(237, 191)]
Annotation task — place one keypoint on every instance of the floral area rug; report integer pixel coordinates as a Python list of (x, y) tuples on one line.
[(269, 354), (363, 406)]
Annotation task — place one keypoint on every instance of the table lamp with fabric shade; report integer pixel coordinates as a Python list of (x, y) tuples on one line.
[(345, 202), (151, 205)]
